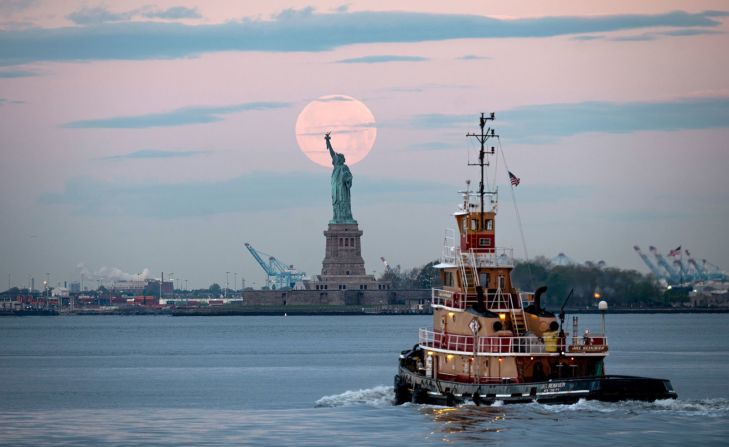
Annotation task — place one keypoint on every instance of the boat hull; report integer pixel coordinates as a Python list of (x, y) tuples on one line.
[(416, 388)]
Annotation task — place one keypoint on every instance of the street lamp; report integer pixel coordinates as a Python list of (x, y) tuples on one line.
[(235, 281), (225, 294), (172, 277)]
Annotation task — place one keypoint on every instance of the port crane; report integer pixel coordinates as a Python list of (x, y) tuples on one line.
[(279, 275), (683, 270)]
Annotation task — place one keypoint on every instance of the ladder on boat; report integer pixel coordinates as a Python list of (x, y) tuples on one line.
[(516, 310), (518, 321), (469, 273)]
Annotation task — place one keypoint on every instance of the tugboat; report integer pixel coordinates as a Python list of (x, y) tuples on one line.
[(490, 342)]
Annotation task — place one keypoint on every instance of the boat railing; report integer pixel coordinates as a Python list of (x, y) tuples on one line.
[(589, 343), (443, 340), (550, 343), (497, 257), (475, 257), (495, 301)]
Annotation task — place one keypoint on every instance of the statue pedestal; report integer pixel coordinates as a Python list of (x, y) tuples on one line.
[(343, 256)]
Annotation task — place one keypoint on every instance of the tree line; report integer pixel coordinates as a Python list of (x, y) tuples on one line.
[(620, 287)]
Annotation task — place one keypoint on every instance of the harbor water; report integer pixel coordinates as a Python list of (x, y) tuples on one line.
[(325, 380)]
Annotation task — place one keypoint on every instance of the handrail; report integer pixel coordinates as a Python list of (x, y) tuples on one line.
[(491, 257), (509, 345), (495, 301)]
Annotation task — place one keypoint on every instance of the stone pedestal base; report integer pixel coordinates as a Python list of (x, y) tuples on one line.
[(343, 256)]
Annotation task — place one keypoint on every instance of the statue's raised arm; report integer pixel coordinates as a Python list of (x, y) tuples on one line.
[(328, 138)]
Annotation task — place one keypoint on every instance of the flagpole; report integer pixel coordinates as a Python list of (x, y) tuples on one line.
[(516, 207)]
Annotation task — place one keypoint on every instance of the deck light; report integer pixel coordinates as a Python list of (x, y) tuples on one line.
[(430, 352), (502, 317)]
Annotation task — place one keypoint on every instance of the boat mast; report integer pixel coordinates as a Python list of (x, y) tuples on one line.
[(482, 138)]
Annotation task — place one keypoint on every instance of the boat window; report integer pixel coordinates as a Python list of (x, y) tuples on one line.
[(483, 279), (501, 282), (449, 279), (489, 224), (474, 224)]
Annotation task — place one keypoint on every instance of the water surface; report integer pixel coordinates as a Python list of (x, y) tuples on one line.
[(163, 381)]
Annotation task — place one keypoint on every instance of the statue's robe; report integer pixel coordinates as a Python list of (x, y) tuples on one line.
[(341, 183)]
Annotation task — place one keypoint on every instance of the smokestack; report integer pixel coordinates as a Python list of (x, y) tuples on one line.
[(538, 298), (480, 305)]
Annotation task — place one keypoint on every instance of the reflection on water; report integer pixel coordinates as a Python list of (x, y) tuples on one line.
[(467, 418), (651, 422)]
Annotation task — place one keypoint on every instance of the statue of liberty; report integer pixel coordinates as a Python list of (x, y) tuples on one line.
[(341, 183)]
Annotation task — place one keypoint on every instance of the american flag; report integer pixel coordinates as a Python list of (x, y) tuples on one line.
[(675, 252), (514, 179)]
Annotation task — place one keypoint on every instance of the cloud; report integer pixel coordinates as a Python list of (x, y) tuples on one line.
[(13, 6), (17, 73), (4, 101), (649, 36), (548, 122), (98, 14), (253, 192), (378, 59), (659, 34), (587, 37), (472, 57), (174, 13), (178, 117), (335, 98), (300, 30), (155, 153)]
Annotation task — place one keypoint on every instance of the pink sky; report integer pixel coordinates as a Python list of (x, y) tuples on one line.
[(591, 194)]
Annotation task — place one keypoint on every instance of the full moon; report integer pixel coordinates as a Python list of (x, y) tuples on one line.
[(350, 122)]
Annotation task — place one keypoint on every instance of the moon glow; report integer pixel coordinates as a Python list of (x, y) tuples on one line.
[(350, 121)]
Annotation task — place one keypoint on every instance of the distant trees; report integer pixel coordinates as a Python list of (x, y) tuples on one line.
[(423, 277), (623, 288), (215, 289)]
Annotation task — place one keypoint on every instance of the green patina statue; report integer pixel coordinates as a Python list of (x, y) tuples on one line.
[(341, 184)]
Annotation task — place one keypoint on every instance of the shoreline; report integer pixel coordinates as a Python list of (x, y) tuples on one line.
[(324, 311)]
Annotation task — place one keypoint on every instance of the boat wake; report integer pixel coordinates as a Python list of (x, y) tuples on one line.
[(696, 407), (379, 396)]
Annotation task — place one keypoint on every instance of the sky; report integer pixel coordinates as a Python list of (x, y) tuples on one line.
[(140, 137)]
